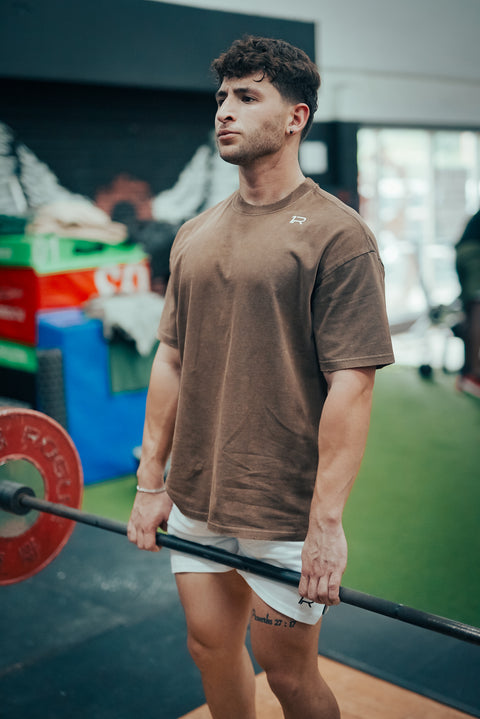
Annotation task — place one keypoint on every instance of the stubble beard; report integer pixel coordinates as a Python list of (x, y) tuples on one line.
[(252, 148)]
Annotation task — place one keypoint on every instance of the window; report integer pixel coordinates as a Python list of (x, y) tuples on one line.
[(417, 190)]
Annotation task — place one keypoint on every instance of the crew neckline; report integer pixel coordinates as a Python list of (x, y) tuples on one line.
[(240, 205)]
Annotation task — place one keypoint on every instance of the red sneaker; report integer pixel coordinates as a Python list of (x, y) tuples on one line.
[(469, 384)]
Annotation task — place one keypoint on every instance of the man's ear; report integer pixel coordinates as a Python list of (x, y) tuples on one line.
[(298, 118)]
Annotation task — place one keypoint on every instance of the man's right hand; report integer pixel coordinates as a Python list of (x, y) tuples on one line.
[(149, 512)]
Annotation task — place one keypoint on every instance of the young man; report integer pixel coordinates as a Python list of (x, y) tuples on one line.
[(261, 390)]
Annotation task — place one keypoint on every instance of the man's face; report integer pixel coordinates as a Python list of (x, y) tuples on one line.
[(251, 120)]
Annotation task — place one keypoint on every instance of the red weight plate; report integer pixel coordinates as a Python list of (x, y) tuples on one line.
[(29, 435)]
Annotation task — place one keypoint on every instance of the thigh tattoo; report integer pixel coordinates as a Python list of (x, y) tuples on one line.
[(274, 622)]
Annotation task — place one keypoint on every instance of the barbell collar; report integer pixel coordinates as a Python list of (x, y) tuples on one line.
[(11, 494)]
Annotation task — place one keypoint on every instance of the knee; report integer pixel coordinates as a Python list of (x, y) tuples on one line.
[(208, 652), (285, 684), (287, 678), (303, 692), (201, 651), (282, 676)]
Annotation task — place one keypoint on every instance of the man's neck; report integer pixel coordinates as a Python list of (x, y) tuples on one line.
[(266, 183)]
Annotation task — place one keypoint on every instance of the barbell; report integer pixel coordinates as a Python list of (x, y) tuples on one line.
[(26, 549)]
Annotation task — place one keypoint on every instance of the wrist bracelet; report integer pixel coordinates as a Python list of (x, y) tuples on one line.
[(151, 491)]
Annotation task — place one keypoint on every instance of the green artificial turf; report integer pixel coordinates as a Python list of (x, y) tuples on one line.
[(112, 499), (413, 517)]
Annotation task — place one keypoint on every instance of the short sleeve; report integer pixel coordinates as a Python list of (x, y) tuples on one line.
[(349, 316), (168, 328)]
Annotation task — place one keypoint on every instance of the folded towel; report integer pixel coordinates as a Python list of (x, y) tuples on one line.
[(78, 219), (137, 315)]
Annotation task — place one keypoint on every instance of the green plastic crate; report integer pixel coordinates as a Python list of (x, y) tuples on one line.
[(51, 253), (18, 356)]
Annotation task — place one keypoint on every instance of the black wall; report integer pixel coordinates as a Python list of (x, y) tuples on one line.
[(88, 135), (127, 42), (341, 176)]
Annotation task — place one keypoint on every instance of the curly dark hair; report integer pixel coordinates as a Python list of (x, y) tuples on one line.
[(287, 67)]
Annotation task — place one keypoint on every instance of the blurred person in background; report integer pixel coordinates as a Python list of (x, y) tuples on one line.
[(468, 270)]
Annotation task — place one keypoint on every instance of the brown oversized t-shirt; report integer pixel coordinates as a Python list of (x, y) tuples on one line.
[(261, 301)]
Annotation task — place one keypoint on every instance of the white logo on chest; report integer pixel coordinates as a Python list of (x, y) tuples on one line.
[(298, 219)]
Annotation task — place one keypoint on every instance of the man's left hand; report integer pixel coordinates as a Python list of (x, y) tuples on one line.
[(324, 559)]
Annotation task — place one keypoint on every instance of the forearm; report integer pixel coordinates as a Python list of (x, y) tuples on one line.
[(342, 439), (160, 414)]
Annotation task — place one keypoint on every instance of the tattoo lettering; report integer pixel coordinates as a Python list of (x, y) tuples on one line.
[(288, 623)]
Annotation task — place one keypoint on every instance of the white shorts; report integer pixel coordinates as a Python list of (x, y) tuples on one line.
[(281, 597)]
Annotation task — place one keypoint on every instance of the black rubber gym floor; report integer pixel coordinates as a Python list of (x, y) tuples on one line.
[(100, 634)]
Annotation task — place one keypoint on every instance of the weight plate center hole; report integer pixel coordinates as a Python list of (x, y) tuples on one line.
[(25, 473)]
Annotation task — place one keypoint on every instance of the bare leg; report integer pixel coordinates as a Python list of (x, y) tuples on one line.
[(288, 652), (217, 609)]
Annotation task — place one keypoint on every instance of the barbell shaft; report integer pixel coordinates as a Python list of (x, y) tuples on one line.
[(25, 500)]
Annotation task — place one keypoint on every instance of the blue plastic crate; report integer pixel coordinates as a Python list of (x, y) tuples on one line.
[(105, 426)]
